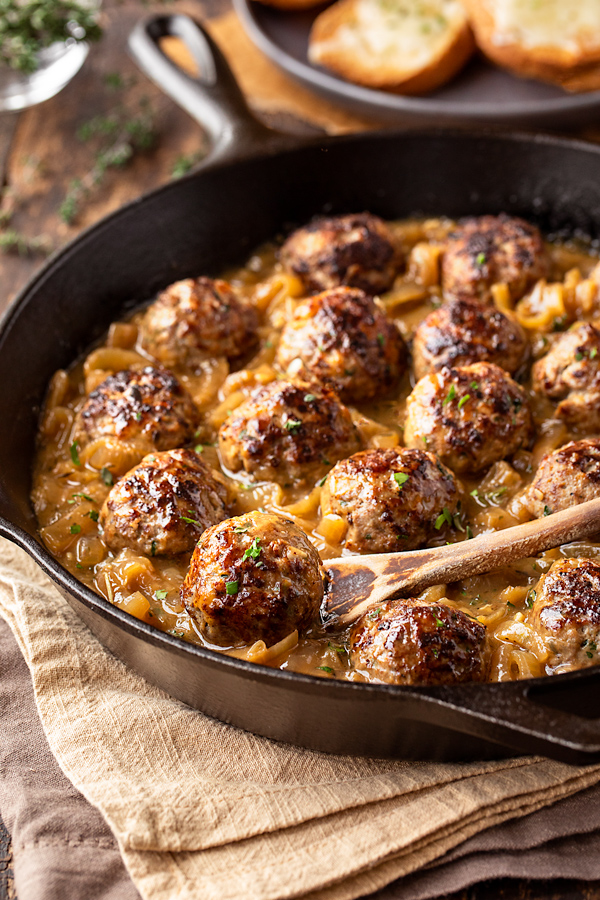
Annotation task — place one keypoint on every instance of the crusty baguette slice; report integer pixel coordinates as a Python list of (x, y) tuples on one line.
[(406, 46), (552, 40)]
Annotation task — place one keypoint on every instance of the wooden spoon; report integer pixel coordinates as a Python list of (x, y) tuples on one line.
[(358, 582)]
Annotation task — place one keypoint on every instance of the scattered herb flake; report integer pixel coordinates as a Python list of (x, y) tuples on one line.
[(308, 398), (75, 528), (444, 516), (106, 476), (253, 551), (579, 356), (401, 478), (74, 449), (93, 514), (450, 396), (469, 533), (327, 669), (530, 598), (474, 386), (190, 521), (160, 595), (380, 340), (480, 259), (153, 548), (547, 511), (199, 448), (231, 587), (593, 353), (292, 425), (463, 400)]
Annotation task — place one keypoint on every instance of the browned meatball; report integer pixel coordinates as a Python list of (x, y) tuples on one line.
[(470, 417), (256, 577), (198, 318), (491, 249), (566, 616), (289, 432), (570, 372), (164, 504), (411, 642), (146, 405), (389, 499), (464, 332), (342, 337), (565, 478), (358, 250)]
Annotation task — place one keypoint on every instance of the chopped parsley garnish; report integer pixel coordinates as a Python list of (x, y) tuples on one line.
[(475, 493), (444, 516), (438, 621), (137, 416), (190, 520), (74, 449), (380, 340), (579, 356), (308, 398), (106, 476), (474, 386), (336, 649), (450, 396), (401, 478), (494, 496), (153, 548), (83, 497), (327, 669), (547, 511), (75, 528), (160, 595), (374, 613), (508, 603), (463, 400), (199, 448), (231, 587), (529, 599), (253, 551), (322, 481), (241, 529), (293, 425), (593, 353), (469, 533), (93, 514), (480, 259)]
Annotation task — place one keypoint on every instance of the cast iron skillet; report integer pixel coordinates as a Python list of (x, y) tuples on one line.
[(254, 184)]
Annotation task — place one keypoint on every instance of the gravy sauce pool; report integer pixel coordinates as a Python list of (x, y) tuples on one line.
[(70, 485)]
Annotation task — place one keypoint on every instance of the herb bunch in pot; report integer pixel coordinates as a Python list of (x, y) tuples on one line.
[(43, 44)]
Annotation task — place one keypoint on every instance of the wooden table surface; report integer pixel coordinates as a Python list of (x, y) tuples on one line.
[(41, 153)]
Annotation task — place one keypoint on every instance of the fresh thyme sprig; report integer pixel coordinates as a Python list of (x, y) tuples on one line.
[(117, 138), (28, 26)]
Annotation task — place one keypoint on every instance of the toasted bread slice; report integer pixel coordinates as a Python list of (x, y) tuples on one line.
[(406, 46), (552, 40)]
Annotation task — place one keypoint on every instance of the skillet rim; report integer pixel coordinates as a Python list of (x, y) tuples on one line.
[(148, 633)]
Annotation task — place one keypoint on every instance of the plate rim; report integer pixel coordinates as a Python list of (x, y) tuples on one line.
[(412, 106)]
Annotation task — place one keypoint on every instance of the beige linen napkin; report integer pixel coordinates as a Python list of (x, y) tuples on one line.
[(203, 810)]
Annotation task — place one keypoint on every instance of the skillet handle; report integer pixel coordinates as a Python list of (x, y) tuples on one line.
[(554, 717), (213, 97)]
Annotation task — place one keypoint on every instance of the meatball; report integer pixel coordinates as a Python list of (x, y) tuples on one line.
[(470, 417), (164, 504), (342, 337), (288, 432), (565, 616), (411, 642), (358, 250), (389, 499), (146, 405), (256, 577), (491, 249), (570, 372), (569, 476), (464, 332), (198, 318)]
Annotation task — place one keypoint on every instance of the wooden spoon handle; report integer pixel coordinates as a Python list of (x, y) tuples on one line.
[(490, 551), (398, 573)]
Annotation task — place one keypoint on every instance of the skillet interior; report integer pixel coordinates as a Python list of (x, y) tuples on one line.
[(211, 220)]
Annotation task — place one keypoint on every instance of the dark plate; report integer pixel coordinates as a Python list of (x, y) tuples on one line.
[(481, 94)]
